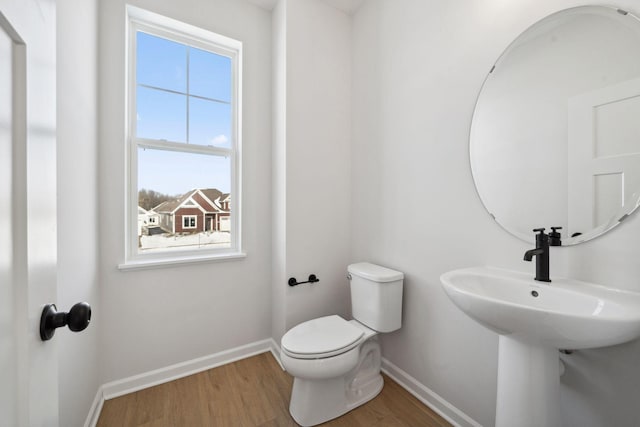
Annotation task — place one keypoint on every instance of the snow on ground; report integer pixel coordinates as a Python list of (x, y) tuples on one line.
[(163, 242)]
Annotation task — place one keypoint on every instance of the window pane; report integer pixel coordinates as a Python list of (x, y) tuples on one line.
[(185, 194), (209, 123), (161, 115), (161, 63), (175, 173), (209, 75)]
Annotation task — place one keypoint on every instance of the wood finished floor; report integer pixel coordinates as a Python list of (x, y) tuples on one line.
[(253, 392)]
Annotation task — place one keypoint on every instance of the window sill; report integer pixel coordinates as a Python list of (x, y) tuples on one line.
[(142, 264)]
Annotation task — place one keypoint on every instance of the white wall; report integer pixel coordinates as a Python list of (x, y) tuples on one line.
[(311, 161), (78, 222), (158, 317), (417, 69), (279, 172)]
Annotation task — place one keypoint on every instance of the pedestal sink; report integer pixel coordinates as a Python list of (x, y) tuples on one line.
[(534, 320)]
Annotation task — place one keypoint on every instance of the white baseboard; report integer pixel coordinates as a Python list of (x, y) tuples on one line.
[(159, 376), (169, 373), (183, 369), (275, 351), (428, 396), (96, 408)]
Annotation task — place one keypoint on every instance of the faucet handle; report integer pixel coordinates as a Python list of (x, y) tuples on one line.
[(555, 237), (541, 238)]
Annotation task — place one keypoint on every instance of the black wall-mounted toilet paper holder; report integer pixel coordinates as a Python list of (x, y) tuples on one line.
[(312, 279)]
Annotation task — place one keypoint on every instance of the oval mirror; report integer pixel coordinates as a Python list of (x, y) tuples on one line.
[(555, 135)]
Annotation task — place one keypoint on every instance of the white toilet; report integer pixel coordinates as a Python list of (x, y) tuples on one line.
[(336, 363)]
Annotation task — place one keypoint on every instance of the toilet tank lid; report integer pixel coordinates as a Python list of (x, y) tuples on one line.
[(374, 272)]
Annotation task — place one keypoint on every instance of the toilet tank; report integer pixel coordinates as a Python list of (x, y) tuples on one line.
[(376, 296)]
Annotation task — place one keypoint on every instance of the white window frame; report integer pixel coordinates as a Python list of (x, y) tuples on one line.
[(161, 26), (189, 217)]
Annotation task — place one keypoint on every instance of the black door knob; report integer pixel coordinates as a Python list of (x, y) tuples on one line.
[(77, 319)]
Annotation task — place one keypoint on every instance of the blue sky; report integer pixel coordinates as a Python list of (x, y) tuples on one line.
[(166, 72), (175, 173)]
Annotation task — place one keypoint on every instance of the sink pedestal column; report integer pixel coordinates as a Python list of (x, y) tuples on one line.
[(528, 384)]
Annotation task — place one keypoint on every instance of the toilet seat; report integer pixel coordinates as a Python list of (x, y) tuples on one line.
[(321, 338)]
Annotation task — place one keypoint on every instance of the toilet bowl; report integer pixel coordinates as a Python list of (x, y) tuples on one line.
[(336, 363), (343, 374)]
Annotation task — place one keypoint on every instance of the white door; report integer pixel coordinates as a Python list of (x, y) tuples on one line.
[(225, 223), (603, 155), (28, 366)]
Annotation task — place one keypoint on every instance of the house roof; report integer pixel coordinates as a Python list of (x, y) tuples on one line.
[(171, 205), (211, 195)]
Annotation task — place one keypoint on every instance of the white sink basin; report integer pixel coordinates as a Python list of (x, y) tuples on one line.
[(566, 314), (534, 320)]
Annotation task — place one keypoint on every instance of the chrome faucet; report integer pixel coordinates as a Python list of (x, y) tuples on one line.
[(541, 252)]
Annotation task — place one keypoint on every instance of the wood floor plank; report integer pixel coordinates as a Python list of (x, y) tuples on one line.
[(252, 392), (149, 406), (414, 411), (225, 405)]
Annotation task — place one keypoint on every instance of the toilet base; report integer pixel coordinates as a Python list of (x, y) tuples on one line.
[(315, 401)]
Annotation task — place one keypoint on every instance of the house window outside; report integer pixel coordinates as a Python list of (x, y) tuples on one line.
[(189, 221), (184, 138)]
